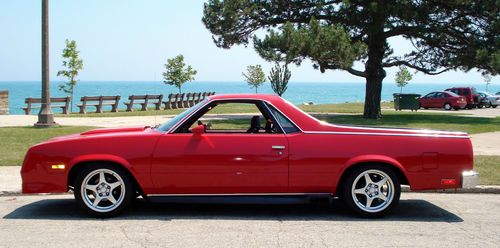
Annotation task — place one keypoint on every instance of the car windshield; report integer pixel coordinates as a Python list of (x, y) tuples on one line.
[(169, 124), (452, 94)]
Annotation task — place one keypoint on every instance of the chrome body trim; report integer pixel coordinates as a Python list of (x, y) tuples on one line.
[(278, 147), (469, 179), (390, 134), (243, 194)]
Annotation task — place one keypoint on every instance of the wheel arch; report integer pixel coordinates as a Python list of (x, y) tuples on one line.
[(79, 163), (367, 160)]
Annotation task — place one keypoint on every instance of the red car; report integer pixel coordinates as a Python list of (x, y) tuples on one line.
[(279, 153), (443, 99), (470, 93)]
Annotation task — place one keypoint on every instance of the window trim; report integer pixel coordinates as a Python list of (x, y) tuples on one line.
[(254, 101), (286, 117)]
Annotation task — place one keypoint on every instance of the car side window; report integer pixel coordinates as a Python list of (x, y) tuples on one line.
[(431, 95), (232, 117), (285, 123)]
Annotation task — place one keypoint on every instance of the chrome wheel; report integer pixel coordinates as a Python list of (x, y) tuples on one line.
[(103, 190), (373, 191), (447, 106)]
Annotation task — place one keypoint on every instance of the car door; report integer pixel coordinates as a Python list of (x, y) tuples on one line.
[(438, 100), (426, 101), (221, 163)]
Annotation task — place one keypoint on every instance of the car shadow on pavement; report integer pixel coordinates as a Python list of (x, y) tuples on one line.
[(66, 209)]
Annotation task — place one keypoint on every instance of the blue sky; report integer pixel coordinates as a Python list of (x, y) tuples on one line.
[(131, 40)]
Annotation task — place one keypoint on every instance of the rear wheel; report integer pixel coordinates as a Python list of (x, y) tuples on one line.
[(447, 106), (371, 191), (103, 190)]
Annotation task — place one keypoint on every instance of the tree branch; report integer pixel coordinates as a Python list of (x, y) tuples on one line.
[(418, 68), (356, 72)]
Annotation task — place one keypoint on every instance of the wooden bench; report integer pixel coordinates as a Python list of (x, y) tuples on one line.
[(171, 102), (98, 102), (144, 101), (56, 102), (185, 100)]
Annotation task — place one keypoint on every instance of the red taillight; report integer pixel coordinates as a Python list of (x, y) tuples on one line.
[(448, 182)]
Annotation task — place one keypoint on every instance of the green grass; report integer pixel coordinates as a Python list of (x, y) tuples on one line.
[(340, 107), (235, 108), (488, 168), (421, 120), (17, 140)]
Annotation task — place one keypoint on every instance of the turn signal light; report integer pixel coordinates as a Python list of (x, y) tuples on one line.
[(58, 166), (448, 182)]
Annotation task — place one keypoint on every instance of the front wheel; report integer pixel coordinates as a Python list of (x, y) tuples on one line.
[(103, 190), (371, 191)]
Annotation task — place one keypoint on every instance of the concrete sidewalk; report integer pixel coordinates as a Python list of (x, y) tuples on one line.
[(10, 184)]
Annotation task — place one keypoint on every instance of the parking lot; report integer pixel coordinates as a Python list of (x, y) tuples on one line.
[(422, 219)]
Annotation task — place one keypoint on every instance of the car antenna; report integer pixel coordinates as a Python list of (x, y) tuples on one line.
[(156, 90)]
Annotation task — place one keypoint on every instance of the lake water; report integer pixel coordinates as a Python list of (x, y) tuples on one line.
[(297, 92)]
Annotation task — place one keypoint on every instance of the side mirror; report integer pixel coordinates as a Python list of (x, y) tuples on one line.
[(200, 129)]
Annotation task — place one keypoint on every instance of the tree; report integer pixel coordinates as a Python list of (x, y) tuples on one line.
[(402, 77), (255, 76), (487, 80), (177, 73), (73, 65), (279, 77), (333, 34)]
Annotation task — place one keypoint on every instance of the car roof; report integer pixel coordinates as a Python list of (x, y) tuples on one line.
[(265, 97)]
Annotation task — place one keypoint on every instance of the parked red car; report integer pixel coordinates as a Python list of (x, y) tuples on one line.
[(281, 153), (443, 99), (470, 93)]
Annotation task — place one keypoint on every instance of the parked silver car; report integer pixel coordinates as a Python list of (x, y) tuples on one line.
[(488, 100)]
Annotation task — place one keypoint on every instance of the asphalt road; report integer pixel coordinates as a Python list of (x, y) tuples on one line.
[(421, 220)]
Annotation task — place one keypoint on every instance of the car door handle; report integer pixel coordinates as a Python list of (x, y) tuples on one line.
[(278, 147)]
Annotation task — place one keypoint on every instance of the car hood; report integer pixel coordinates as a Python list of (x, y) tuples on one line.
[(100, 132), (115, 130)]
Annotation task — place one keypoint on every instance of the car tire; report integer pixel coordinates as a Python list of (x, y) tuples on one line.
[(103, 190), (494, 106), (447, 106), (456, 108), (371, 191)]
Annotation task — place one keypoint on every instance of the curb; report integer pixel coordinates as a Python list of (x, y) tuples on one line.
[(480, 189)]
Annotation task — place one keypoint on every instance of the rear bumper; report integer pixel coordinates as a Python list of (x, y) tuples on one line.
[(469, 179)]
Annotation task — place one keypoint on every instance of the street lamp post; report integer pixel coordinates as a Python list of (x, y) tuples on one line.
[(45, 117)]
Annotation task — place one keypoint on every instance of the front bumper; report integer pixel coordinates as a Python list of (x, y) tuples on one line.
[(469, 179)]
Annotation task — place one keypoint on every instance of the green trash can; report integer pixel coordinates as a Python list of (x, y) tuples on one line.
[(406, 101)]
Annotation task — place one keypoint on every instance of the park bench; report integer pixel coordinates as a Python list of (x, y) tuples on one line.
[(144, 101), (188, 100), (175, 101), (56, 102), (171, 102), (98, 102)]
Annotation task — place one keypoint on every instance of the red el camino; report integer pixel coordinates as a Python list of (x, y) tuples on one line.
[(280, 152)]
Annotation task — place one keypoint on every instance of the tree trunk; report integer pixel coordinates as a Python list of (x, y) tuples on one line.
[(375, 72)]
